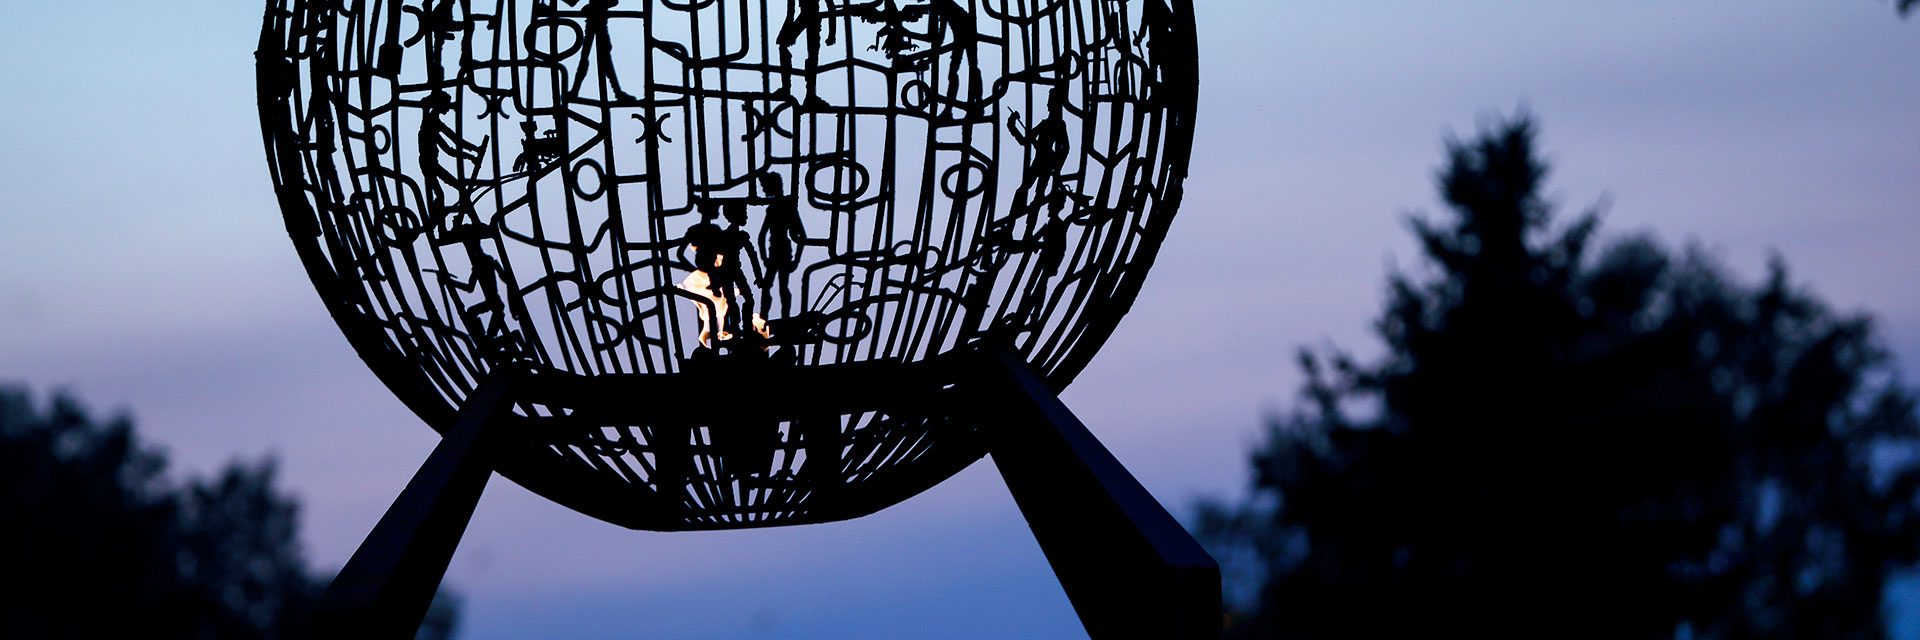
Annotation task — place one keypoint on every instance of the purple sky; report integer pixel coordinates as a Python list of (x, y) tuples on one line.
[(143, 265)]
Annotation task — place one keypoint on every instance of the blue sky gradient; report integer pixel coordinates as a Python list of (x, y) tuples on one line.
[(143, 265)]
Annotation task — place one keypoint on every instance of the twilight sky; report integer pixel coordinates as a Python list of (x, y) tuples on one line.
[(143, 266)]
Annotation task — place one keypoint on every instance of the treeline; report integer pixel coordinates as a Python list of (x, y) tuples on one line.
[(1577, 436), (98, 541)]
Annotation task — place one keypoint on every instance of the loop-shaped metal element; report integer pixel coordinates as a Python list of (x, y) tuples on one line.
[(586, 191)]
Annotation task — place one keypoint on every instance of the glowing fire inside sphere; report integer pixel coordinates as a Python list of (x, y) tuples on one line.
[(632, 188)]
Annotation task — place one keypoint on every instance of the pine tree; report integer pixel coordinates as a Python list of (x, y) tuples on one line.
[(1622, 443)]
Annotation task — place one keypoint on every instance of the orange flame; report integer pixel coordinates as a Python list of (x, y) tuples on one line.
[(699, 283)]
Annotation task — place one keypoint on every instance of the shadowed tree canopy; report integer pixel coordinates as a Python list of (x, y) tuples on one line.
[(95, 542), (1623, 442)]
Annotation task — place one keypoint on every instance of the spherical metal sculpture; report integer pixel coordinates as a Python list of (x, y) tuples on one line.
[(678, 213)]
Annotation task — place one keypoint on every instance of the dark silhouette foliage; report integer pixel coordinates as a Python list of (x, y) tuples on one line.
[(98, 544), (95, 542), (1621, 443)]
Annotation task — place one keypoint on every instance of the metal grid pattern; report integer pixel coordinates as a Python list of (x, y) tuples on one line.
[(649, 187)]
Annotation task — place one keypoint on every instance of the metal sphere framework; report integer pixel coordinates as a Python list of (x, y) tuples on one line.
[(733, 239)]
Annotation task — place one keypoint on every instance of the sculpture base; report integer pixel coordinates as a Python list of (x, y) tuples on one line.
[(1128, 567)]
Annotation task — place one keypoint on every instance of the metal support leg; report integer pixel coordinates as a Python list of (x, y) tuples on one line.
[(384, 590), (1129, 568)]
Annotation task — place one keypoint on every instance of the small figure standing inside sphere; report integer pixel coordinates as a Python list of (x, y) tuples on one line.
[(435, 137), (1053, 245), (486, 321), (959, 25), (783, 237), (577, 251), (716, 260), (596, 38), (806, 17), (735, 241), (1049, 143)]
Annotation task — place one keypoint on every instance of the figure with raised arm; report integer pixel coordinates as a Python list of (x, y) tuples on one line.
[(1048, 143)]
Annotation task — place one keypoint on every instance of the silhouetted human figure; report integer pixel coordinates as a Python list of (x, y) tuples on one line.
[(716, 253), (782, 238), (957, 21), (492, 334), (705, 238), (806, 17), (1053, 245), (1156, 29), (1048, 142), (1049, 239), (594, 37), (959, 24), (434, 138), (733, 280)]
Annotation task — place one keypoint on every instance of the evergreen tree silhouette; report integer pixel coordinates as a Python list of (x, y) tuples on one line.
[(1625, 443)]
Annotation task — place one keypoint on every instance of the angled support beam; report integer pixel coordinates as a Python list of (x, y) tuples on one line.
[(384, 590), (1129, 568)]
